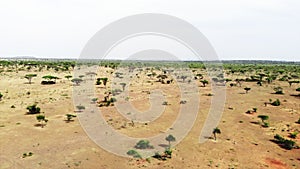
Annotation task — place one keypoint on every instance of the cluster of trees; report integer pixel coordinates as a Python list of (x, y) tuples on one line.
[(36, 65), (145, 144), (41, 118), (285, 143)]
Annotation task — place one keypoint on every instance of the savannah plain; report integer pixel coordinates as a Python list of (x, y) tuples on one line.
[(245, 140)]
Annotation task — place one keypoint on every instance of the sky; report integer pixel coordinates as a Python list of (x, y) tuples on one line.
[(237, 29)]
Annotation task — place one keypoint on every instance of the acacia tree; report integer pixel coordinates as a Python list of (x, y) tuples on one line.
[(104, 80), (170, 138), (91, 74), (29, 77), (42, 119), (247, 89), (77, 81), (263, 117), (69, 117), (49, 79), (68, 77), (1, 95), (215, 132), (204, 82)]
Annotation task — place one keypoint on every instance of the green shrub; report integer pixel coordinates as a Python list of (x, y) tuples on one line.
[(276, 103), (168, 152), (265, 124), (80, 107), (143, 144), (285, 143), (294, 134), (134, 154), (33, 109)]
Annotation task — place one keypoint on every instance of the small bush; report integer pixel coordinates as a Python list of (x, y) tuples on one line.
[(33, 109), (168, 152), (182, 102), (134, 154), (278, 90), (254, 109), (143, 144), (294, 134), (265, 124), (276, 103), (80, 107)]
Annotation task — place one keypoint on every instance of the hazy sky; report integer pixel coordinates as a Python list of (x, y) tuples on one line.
[(252, 29)]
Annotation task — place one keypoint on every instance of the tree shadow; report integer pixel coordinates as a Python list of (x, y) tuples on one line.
[(255, 122), (68, 121), (279, 144), (40, 125), (295, 95), (278, 93), (164, 145), (209, 137)]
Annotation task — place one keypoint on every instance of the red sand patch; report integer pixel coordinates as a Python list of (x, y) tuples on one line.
[(276, 164)]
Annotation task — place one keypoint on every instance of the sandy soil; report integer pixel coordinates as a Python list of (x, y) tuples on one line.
[(242, 144)]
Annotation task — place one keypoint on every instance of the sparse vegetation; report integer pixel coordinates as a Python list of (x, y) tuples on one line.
[(56, 100)]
